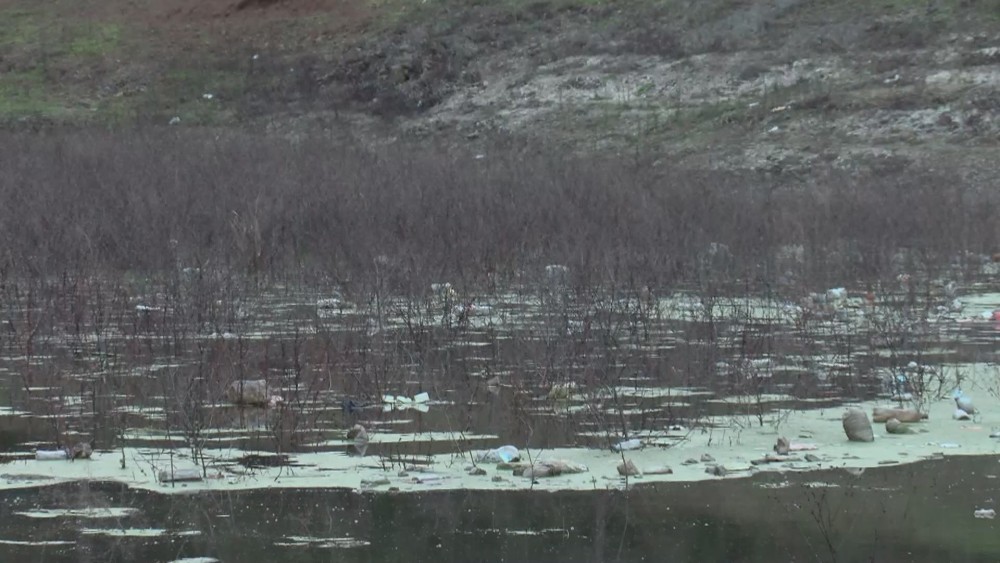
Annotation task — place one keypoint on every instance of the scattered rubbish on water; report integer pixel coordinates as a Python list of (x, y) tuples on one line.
[(627, 445), (428, 478), (90, 513), (322, 543), (82, 450), (51, 455), (503, 454), (949, 445), (562, 391), (249, 392), (180, 475), (717, 470), (401, 402), (367, 484), (360, 437), (551, 468), (985, 513)]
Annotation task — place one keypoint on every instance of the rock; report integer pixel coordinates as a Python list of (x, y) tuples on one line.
[(477, 471), (251, 392), (497, 479), (812, 457), (960, 414), (690, 461), (894, 426), (627, 468), (705, 458), (857, 427), (782, 446), (881, 414)]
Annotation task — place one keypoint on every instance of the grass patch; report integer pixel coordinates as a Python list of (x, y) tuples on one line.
[(95, 40), (18, 27), (24, 94)]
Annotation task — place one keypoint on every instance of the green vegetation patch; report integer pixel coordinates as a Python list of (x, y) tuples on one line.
[(90, 40), (25, 93)]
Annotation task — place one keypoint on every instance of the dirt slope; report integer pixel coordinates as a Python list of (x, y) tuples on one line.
[(779, 84)]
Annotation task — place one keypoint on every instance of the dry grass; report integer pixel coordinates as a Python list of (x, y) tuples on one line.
[(152, 201)]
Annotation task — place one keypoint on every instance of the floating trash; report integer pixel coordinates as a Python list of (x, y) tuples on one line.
[(627, 445)]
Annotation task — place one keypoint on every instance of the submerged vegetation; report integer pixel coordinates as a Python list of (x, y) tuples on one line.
[(149, 272), (211, 306)]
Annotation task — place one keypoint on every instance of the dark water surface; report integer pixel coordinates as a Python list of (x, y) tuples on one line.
[(917, 512)]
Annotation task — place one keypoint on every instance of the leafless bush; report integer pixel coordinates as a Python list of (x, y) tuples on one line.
[(135, 247)]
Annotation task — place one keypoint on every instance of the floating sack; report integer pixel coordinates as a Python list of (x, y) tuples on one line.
[(180, 475), (248, 392), (628, 469), (894, 426), (360, 437), (562, 391), (81, 450), (882, 414), (783, 446), (503, 454), (626, 445), (857, 427), (552, 468), (964, 402)]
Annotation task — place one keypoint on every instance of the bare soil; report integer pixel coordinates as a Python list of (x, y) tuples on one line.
[(775, 86)]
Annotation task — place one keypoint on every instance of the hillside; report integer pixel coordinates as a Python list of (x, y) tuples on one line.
[(776, 85)]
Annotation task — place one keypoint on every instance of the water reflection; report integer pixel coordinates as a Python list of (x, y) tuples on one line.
[(918, 512)]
